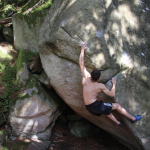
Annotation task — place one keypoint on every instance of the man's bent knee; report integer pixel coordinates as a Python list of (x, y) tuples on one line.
[(115, 106)]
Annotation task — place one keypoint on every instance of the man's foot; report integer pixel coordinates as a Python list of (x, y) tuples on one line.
[(138, 117), (121, 125)]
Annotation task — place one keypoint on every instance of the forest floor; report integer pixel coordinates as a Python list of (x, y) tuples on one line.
[(65, 140)]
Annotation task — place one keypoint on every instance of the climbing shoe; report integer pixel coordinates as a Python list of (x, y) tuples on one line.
[(138, 117), (121, 125)]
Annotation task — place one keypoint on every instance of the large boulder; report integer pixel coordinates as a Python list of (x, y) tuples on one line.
[(27, 23), (33, 114), (117, 33)]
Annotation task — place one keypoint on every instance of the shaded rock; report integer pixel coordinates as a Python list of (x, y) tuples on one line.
[(82, 128), (118, 40), (74, 117), (34, 114), (8, 34), (43, 78)]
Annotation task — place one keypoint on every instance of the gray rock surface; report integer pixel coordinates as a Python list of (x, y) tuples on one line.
[(117, 35), (43, 78)]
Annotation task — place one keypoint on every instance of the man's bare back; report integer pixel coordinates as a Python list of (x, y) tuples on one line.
[(90, 90)]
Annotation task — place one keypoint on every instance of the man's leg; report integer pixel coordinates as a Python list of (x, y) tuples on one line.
[(121, 110), (112, 117)]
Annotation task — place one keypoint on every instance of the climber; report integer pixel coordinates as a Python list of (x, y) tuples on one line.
[(91, 88)]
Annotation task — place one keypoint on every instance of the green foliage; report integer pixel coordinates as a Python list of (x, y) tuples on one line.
[(1, 4), (10, 85), (8, 11), (31, 3), (36, 14)]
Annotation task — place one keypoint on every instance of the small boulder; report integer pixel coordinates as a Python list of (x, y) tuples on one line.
[(82, 128), (8, 34)]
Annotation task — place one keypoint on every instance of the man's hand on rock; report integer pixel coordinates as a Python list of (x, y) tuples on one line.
[(113, 81), (83, 46)]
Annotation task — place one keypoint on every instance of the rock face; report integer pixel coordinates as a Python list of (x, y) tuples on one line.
[(27, 23), (118, 38)]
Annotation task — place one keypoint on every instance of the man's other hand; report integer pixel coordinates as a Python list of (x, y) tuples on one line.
[(83, 46), (113, 81)]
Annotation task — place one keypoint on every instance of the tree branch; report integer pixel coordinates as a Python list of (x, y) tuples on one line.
[(6, 20)]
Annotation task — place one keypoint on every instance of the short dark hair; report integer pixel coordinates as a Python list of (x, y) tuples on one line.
[(95, 74)]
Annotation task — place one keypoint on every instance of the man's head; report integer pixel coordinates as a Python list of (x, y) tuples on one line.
[(95, 74)]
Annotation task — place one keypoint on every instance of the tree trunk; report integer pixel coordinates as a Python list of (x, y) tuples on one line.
[(6, 20)]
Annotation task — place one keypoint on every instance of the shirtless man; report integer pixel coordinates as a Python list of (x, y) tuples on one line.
[(91, 88)]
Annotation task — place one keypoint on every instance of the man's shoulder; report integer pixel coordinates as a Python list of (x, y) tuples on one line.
[(101, 85)]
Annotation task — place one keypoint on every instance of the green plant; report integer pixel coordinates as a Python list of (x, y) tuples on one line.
[(10, 85)]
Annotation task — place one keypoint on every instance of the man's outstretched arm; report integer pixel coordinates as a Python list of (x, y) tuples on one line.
[(111, 92), (81, 62)]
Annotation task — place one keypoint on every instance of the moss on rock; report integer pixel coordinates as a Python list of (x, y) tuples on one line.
[(23, 57), (9, 10), (37, 12)]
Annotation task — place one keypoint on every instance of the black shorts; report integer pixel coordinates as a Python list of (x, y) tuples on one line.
[(98, 107)]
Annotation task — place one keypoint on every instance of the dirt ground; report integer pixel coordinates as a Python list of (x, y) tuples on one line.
[(67, 141)]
